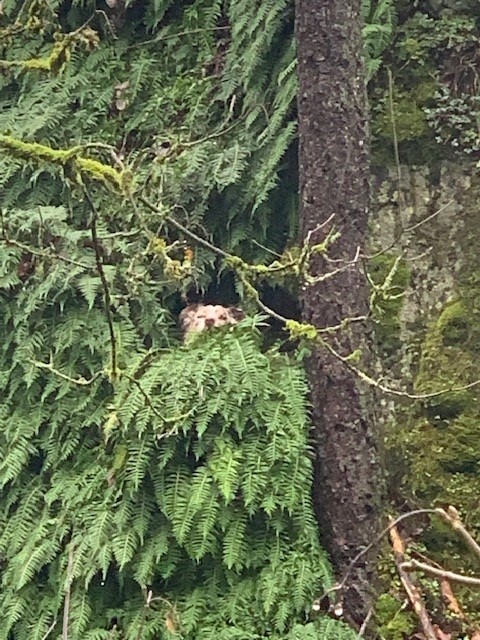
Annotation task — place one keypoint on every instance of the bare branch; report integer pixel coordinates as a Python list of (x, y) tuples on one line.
[(409, 230), (341, 585), (68, 587), (106, 288), (413, 592), (363, 628), (39, 252), (80, 381), (413, 565), (49, 630), (331, 274), (452, 516), (389, 390), (178, 225)]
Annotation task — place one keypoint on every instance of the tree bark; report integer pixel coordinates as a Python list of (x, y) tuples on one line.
[(334, 179)]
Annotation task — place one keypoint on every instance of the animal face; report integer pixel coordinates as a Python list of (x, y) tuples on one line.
[(198, 317)]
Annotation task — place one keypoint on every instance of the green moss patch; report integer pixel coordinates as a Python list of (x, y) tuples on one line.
[(390, 278)]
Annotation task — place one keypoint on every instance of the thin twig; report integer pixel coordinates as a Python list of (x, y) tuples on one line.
[(80, 381), (49, 630), (120, 234), (401, 202), (341, 585), (428, 218), (169, 36), (178, 225), (411, 589), (406, 231), (265, 248), (452, 516), (413, 565), (363, 628), (46, 254), (144, 394), (37, 252), (389, 390), (330, 329), (68, 588), (106, 288), (215, 134), (331, 274)]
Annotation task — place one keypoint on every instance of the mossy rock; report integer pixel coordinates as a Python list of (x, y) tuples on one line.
[(440, 435), (410, 120), (447, 358), (387, 307)]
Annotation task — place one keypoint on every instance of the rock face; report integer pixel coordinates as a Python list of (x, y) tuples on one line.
[(428, 224), (427, 211)]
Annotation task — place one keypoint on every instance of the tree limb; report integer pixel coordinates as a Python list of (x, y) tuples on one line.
[(410, 587), (413, 565)]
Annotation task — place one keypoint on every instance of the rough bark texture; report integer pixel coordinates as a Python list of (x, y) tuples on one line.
[(334, 174)]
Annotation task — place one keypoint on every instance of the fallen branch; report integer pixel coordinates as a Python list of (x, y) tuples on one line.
[(452, 516), (410, 587), (450, 599), (413, 565)]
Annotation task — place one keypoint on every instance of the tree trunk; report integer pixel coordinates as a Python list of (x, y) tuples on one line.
[(334, 175)]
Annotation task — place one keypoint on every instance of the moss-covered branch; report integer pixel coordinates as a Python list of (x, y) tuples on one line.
[(59, 55), (70, 159)]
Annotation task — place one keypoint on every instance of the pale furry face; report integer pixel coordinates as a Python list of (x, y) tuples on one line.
[(198, 317)]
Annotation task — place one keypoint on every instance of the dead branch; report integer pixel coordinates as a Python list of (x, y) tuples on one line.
[(413, 565), (341, 585), (311, 280), (68, 587), (49, 630), (363, 628), (106, 288), (410, 587), (450, 599), (452, 516)]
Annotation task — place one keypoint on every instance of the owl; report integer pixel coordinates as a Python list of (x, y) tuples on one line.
[(198, 317)]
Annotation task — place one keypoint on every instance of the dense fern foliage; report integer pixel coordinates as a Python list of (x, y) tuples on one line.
[(149, 489), (199, 495)]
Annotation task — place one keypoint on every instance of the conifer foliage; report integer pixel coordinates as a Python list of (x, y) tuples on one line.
[(148, 489)]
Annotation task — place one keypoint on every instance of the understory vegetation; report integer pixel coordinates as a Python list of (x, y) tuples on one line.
[(150, 488)]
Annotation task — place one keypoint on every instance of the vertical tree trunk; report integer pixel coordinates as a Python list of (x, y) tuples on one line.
[(334, 175)]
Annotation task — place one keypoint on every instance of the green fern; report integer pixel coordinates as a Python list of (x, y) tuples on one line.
[(184, 469), (379, 17)]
